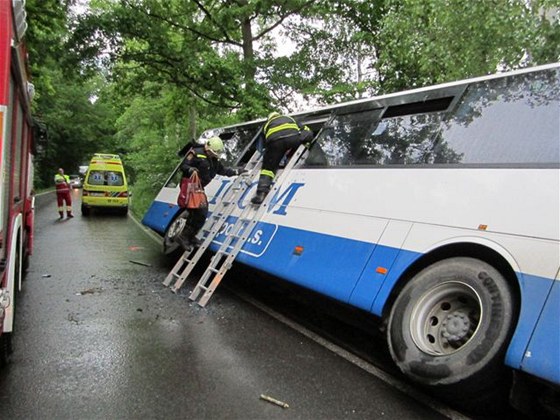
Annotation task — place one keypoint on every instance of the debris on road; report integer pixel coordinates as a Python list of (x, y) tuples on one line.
[(90, 291), (274, 401), (45, 276), (140, 263)]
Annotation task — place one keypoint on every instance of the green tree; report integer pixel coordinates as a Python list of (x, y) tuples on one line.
[(432, 41), (206, 48), (79, 124)]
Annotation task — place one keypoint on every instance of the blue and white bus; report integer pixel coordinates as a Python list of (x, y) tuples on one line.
[(436, 210)]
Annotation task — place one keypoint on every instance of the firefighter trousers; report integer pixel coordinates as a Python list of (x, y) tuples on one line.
[(273, 154)]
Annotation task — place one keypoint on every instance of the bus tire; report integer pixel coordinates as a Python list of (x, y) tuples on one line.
[(175, 228), (449, 329)]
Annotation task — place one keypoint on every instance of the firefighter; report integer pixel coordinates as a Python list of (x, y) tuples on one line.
[(281, 133), (63, 194), (204, 159)]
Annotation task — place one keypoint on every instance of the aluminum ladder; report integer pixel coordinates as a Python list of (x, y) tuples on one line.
[(222, 261), (188, 260)]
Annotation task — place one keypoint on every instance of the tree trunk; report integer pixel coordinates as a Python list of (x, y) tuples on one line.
[(248, 52), (192, 122)]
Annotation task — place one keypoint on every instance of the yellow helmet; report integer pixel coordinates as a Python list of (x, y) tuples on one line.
[(273, 115), (216, 145)]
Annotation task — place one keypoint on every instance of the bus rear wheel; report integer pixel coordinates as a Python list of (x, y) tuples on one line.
[(449, 329)]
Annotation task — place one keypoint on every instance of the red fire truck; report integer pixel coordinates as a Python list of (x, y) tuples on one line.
[(16, 160)]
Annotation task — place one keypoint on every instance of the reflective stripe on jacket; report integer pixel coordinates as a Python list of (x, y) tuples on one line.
[(280, 127), (62, 183)]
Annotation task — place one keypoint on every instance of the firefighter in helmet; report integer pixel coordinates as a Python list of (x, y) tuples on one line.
[(281, 133), (63, 194), (205, 160)]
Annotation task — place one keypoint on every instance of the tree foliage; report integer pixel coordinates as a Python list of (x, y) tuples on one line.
[(432, 41), (78, 124)]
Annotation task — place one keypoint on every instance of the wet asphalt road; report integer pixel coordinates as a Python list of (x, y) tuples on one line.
[(99, 337)]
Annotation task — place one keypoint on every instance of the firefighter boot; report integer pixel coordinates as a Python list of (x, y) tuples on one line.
[(262, 189), (190, 234), (183, 238), (69, 214), (183, 242), (60, 215), (194, 241)]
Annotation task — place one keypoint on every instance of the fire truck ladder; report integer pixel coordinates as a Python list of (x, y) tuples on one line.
[(222, 261), (212, 226)]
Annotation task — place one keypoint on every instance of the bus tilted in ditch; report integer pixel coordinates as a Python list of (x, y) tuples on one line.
[(436, 210)]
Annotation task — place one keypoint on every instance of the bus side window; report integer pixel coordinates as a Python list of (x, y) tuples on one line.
[(247, 155), (316, 156), (175, 179), (238, 145), (404, 140)]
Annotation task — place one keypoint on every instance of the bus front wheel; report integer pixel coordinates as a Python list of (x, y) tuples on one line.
[(449, 329), (170, 246)]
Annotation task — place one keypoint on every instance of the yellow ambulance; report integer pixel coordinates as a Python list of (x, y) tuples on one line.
[(105, 185)]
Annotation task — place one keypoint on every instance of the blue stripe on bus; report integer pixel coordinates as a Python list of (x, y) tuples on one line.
[(159, 216), (327, 264), (535, 346), (341, 268), (542, 357)]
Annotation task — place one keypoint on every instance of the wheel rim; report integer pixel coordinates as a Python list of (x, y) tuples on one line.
[(176, 228), (446, 318)]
